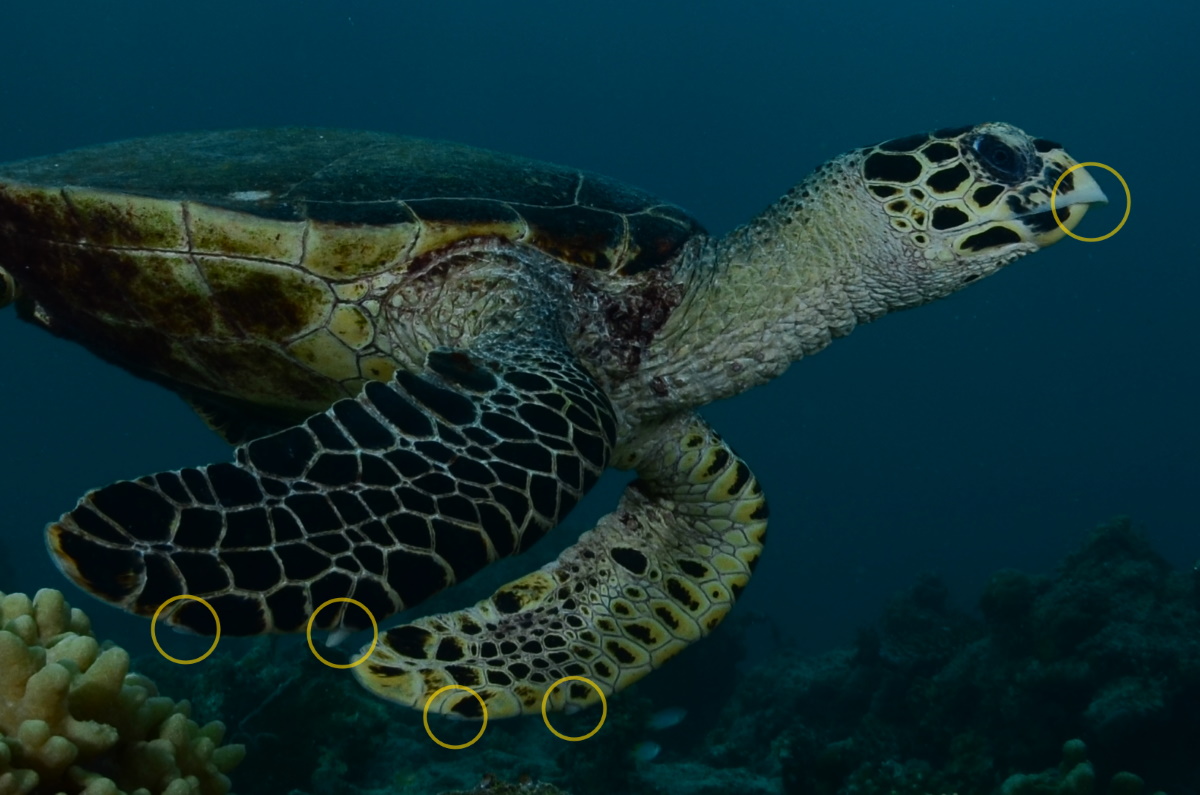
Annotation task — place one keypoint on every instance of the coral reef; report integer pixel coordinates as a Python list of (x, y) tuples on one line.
[(1106, 650), (1090, 675), (697, 778), (490, 785), (281, 702), (73, 719), (1073, 776)]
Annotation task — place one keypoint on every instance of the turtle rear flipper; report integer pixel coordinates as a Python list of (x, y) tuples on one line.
[(652, 577), (387, 498), (235, 424)]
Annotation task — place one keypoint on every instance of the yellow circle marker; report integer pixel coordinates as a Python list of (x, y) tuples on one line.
[(603, 705), (370, 648), (429, 731), (154, 634), (1054, 193)]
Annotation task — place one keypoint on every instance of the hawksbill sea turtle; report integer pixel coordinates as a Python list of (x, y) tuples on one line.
[(426, 353)]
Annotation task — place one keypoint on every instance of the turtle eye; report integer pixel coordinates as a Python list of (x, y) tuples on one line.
[(1001, 160)]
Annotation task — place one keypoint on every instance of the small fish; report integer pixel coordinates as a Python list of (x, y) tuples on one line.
[(337, 636), (646, 751), (666, 718)]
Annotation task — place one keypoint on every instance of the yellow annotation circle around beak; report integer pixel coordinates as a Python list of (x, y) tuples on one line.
[(1054, 193)]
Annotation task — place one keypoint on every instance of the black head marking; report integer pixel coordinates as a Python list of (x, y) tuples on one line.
[(891, 168), (992, 238), (940, 152), (987, 194), (948, 179), (948, 217)]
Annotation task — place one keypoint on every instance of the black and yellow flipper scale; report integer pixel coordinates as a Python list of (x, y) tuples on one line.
[(387, 498), (652, 577)]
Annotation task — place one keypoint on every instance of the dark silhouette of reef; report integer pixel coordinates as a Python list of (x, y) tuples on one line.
[(1105, 651), (1084, 680)]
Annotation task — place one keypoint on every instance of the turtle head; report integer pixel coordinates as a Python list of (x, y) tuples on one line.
[(873, 231), (965, 202)]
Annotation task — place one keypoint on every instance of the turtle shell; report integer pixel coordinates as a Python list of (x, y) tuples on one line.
[(339, 177), (237, 267)]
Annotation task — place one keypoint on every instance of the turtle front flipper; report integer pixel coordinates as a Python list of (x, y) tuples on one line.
[(652, 577), (386, 498)]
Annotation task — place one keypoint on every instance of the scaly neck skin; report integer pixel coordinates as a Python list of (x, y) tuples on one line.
[(808, 270)]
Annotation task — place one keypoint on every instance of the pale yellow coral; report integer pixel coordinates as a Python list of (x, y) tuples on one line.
[(73, 719), (1073, 776)]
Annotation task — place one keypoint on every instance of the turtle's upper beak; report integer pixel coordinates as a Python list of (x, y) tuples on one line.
[(1072, 205)]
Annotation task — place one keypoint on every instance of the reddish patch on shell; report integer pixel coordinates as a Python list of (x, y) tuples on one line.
[(436, 264), (632, 316)]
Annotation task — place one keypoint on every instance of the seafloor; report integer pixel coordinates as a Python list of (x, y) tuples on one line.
[(1085, 680)]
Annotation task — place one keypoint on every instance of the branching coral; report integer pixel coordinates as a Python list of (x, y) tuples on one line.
[(73, 719)]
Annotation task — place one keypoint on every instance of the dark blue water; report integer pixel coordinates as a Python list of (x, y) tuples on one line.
[(991, 429)]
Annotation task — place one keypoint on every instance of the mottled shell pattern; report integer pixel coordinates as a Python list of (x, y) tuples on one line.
[(244, 264)]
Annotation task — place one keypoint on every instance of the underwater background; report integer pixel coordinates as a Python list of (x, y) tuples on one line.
[(991, 430)]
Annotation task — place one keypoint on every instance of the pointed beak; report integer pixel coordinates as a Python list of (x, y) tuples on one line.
[(1073, 204), (1085, 191)]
